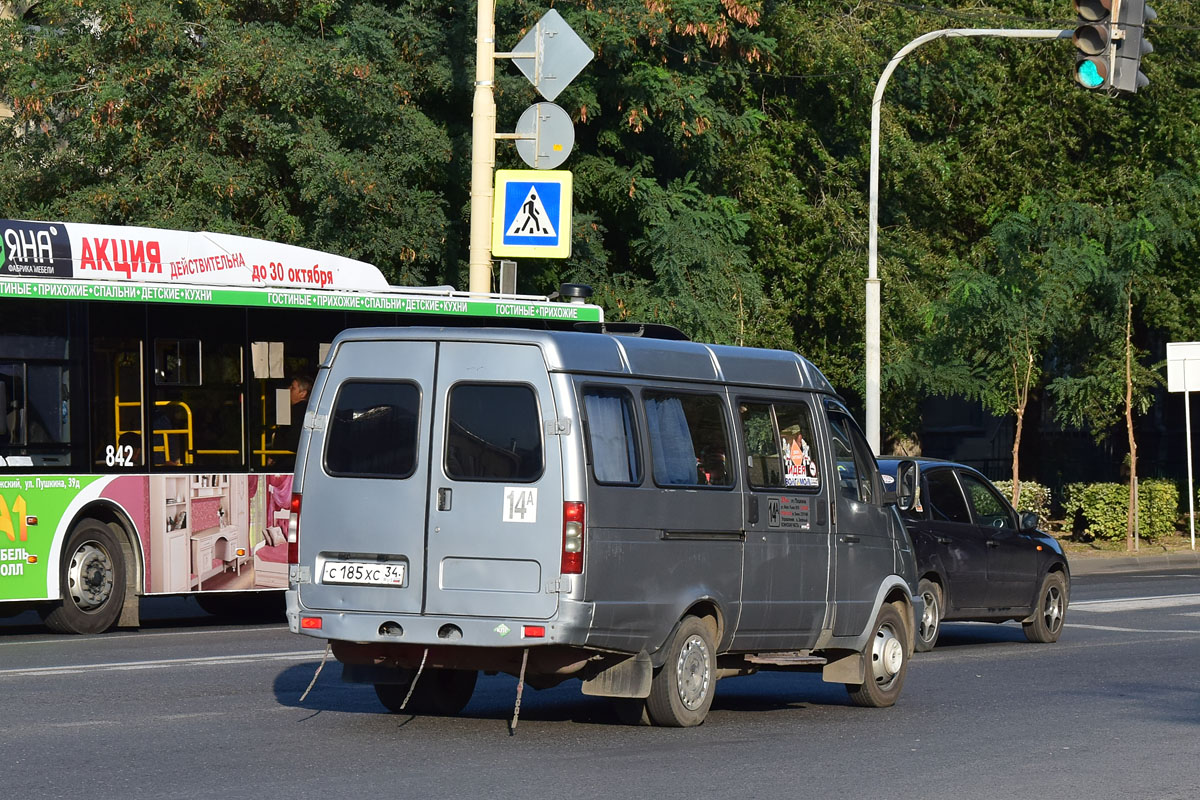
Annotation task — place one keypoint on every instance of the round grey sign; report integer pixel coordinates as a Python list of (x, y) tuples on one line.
[(552, 136)]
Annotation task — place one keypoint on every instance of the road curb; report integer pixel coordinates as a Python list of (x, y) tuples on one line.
[(1091, 565)]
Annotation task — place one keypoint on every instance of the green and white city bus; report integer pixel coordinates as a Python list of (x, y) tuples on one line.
[(147, 424)]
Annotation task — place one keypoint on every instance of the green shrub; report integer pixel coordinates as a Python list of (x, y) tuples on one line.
[(1033, 497), (1099, 510)]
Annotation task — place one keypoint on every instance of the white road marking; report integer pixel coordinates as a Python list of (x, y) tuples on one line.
[(115, 635), (1137, 603), (1074, 625), (123, 666)]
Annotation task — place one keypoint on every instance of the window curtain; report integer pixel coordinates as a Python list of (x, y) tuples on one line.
[(614, 459), (670, 442)]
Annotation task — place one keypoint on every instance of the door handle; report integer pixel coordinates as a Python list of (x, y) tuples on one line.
[(992, 543), (444, 498), (850, 538), (751, 509), (943, 540)]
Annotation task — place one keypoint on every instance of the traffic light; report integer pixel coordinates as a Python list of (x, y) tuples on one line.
[(1132, 44), (1093, 56)]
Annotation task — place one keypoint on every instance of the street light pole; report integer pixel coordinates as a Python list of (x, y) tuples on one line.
[(873, 285), (483, 148)]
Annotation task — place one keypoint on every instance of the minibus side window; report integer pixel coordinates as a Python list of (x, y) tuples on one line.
[(612, 437), (373, 430), (493, 433), (782, 450), (688, 444), (852, 455)]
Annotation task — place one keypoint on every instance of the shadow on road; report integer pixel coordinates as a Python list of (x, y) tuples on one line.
[(495, 696)]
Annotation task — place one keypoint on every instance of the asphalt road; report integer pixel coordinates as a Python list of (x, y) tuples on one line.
[(190, 709)]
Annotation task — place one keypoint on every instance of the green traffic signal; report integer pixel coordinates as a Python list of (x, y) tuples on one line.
[(1089, 75), (1092, 39)]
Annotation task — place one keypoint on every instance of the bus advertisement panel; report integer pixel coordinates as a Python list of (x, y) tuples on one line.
[(153, 384)]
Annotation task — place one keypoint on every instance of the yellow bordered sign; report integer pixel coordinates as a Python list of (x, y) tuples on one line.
[(532, 213)]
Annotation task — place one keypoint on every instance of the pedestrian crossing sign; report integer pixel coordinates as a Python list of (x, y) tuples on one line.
[(532, 213)]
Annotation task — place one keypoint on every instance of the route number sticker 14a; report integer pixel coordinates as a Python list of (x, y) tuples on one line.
[(520, 504)]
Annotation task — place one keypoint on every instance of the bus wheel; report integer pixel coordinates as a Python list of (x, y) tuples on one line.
[(442, 692), (92, 577), (682, 690), (887, 662)]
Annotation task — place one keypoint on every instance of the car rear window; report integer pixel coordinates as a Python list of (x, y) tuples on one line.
[(373, 430)]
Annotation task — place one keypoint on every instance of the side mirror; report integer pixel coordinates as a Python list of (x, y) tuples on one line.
[(908, 485), (1028, 521)]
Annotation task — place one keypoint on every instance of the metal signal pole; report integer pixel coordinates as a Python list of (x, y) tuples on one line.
[(873, 301)]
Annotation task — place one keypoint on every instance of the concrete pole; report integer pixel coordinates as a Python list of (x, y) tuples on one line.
[(873, 285), (483, 148)]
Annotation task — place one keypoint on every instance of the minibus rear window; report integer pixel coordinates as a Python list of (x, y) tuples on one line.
[(373, 430), (494, 433)]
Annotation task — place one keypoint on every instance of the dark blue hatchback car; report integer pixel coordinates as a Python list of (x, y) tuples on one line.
[(979, 560)]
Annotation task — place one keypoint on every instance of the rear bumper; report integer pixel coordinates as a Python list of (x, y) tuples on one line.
[(568, 626)]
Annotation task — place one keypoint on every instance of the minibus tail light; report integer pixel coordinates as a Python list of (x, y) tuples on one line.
[(293, 536), (572, 539)]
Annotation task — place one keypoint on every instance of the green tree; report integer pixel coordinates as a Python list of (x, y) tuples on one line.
[(1138, 288), (992, 330), (300, 122)]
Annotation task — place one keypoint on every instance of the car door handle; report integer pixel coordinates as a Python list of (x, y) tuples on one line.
[(944, 540), (993, 543), (444, 499), (850, 538)]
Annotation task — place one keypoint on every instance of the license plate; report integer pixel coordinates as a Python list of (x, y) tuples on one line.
[(369, 573)]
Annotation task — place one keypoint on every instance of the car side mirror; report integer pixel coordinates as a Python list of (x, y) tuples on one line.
[(908, 482), (1028, 521)]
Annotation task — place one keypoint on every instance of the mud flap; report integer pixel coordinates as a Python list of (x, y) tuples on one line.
[(628, 678), (850, 669), (132, 607)]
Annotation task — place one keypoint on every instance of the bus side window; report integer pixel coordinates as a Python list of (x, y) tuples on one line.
[(196, 406)]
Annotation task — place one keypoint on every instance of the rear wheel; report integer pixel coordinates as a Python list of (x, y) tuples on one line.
[(244, 606), (1051, 610), (92, 581), (886, 662), (631, 710), (930, 624), (682, 690), (444, 692)]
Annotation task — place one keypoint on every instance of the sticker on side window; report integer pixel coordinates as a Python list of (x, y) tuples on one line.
[(520, 504)]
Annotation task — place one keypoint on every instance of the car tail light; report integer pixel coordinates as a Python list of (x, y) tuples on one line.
[(293, 537), (572, 540)]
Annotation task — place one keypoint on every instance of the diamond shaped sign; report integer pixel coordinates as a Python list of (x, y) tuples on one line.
[(558, 55)]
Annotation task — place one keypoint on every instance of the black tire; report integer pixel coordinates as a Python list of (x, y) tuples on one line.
[(681, 691), (1050, 610), (441, 692), (92, 576), (930, 623), (631, 710), (244, 606), (222, 604), (886, 658)]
